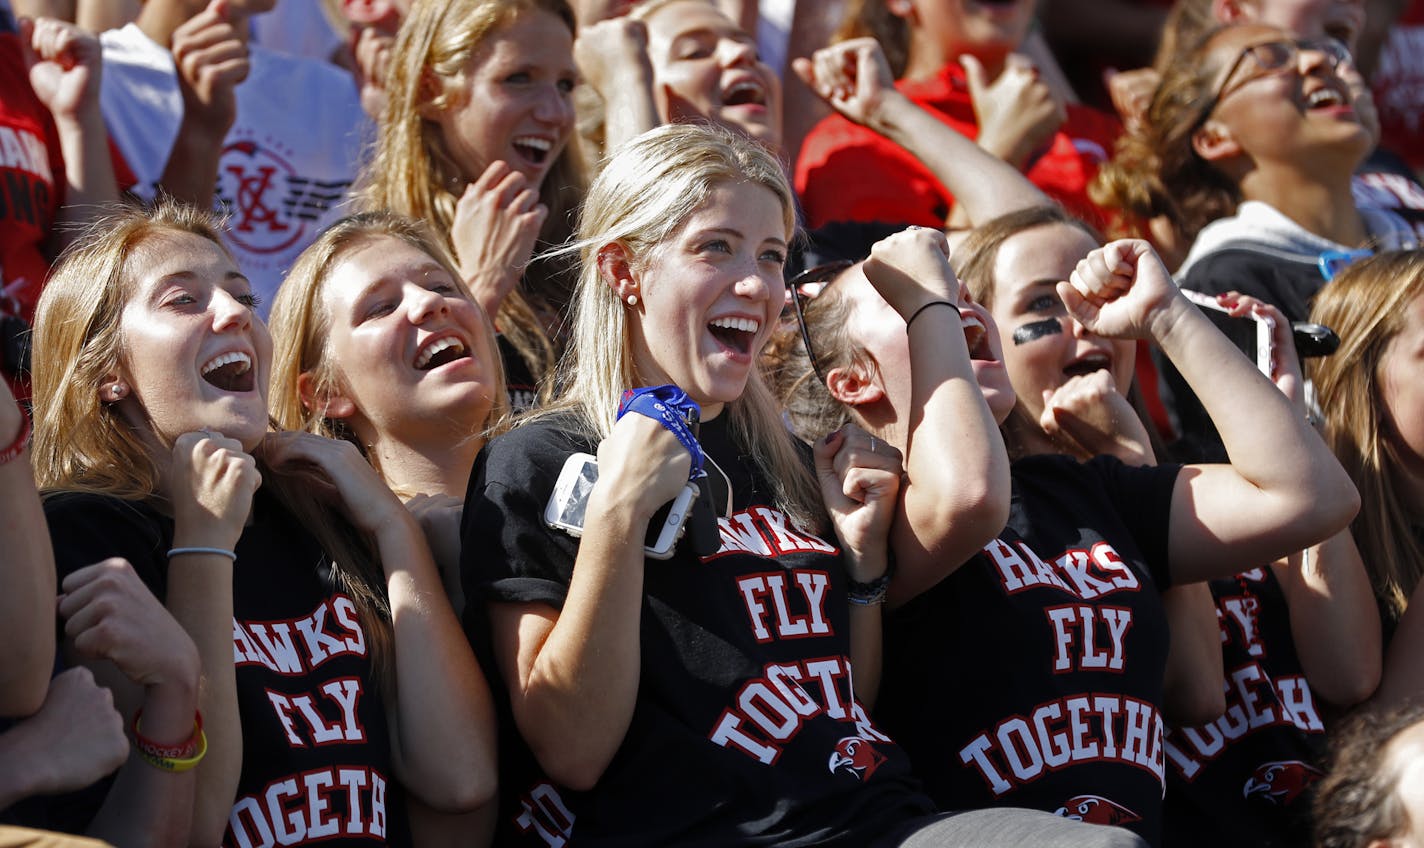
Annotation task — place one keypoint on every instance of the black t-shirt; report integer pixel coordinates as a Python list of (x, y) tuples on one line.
[(1245, 779), (745, 730), (1032, 675), (316, 747)]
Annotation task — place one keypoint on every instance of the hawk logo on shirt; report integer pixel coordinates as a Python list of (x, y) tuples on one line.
[(1280, 782), (857, 757), (1095, 809)]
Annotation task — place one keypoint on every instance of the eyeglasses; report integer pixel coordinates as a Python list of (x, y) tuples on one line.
[(1271, 57), (825, 274)]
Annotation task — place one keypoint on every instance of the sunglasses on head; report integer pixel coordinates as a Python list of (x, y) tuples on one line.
[(824, 274)]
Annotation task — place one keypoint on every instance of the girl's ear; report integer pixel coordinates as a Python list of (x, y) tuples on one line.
[(327, 403), (430, 103), (113, 389), (616, 268), (853, 385), (1214, 142)]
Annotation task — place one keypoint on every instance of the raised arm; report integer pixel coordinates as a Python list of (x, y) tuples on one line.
[(1283, 489), (612, 55), (443, 721), (210, 487), (211, 59), (573, 673), (854, 78), (860, 481), (956, 497), (64, 63)]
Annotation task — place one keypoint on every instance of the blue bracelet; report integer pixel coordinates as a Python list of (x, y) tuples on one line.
[(671, 407)]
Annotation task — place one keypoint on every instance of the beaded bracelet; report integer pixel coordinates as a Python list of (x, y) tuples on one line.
[(21, 440), (174, 758), (869, 594)]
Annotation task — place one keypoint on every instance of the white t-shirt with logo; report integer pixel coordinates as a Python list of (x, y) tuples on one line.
[(287, 163)]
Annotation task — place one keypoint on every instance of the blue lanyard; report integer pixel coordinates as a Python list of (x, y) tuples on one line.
[(671, 407)]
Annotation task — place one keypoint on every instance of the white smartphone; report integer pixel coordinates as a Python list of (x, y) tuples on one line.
[(1253, 335), (567, 505)]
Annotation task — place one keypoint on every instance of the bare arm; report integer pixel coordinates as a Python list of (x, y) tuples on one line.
[(27, 582), (1283, 489), (1403, 676), (74, 739), (854, 78), (612, 55), (114, 622), (1334, 620), (211, 487), (860, 481), (573, 673), (64, 63), (957, 493), (211, 59)]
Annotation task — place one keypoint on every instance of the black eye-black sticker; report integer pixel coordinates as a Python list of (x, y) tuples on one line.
[(1035, 330)]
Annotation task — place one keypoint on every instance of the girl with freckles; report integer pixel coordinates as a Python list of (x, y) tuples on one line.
[(715, 697), (335, 676)]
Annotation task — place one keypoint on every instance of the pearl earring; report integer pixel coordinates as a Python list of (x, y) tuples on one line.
[(632, 300)]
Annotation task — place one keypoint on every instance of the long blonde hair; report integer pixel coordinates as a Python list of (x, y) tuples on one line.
[(301, 326), (412, 172), (1367, 305), (83, 445), (641, 198)]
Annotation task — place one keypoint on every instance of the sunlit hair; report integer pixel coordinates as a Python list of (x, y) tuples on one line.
[(412, 172), (809, 407), (1367, 306), (641, 199), (873, 19), (301, 326), (83, 445), (1155, 171), (79, 442)]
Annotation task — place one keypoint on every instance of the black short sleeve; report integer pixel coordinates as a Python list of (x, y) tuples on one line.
[(1143, 497)]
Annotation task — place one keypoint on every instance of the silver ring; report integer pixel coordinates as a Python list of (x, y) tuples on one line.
[(872, 444)]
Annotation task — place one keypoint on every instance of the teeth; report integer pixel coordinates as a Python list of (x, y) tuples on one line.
[(745, 325), (535, 142), (441, 344), (226, 359), (1325, 97)]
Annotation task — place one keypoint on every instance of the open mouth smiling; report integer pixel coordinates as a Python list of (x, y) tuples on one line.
[(440, 350), (736, 334), (745, 92), (229, 372), (536, 149)]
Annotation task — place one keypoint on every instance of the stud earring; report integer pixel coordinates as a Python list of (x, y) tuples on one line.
[(117, 391), (632, 300)]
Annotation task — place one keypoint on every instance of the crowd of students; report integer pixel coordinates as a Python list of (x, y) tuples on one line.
[(652, 446)]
